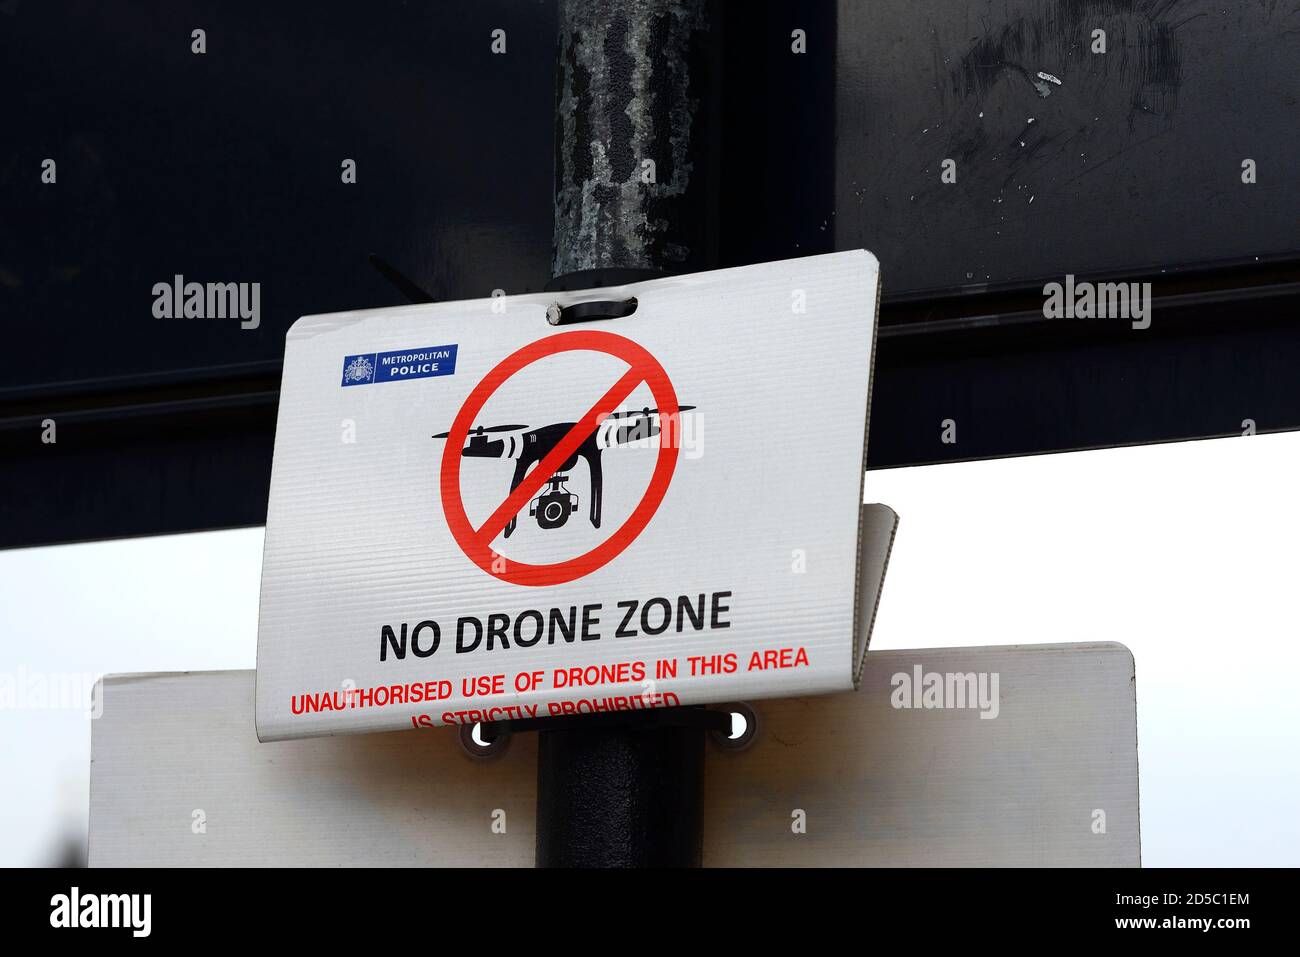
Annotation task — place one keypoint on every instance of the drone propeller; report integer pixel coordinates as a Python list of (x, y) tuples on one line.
[(644, 412), (482, 429)]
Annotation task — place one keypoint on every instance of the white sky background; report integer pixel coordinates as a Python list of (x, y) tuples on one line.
[(171, 603), (1188, 553)]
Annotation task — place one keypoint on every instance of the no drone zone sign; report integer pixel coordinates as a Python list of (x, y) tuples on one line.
[(478, 516)]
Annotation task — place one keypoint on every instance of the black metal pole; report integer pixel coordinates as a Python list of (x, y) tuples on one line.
[(634, 177), (623, 794)]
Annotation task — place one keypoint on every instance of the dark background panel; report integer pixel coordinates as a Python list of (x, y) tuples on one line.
[(226, 166), (121, 472), (1131, 164), (1013, 384)]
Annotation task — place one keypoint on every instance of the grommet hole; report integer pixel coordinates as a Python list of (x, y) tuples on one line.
[(744, 725), (481, 740), (591, 311)]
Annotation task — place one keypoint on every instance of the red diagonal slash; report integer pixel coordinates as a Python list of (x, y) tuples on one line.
[(552, 461), (476, 543)]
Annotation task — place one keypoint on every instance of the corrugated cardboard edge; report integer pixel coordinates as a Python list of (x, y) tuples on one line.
[(878, 525)]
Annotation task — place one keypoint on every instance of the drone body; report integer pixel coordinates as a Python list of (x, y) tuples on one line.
[(528, 447)]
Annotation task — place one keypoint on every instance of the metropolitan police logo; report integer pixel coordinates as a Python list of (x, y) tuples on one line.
[(399, 365), (357, 370)]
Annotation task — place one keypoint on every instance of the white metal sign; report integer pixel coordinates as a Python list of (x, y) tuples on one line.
[(476, 515), (1035, 764)]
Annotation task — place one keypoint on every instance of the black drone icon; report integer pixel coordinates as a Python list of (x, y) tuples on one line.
[(529, 446)]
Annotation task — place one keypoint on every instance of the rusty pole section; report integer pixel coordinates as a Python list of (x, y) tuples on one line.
[(633, 164)]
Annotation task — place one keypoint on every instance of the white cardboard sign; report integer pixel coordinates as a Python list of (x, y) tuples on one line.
[(878, 784), (476, 515)]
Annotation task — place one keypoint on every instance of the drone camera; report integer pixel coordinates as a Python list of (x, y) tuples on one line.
[(554, 506)]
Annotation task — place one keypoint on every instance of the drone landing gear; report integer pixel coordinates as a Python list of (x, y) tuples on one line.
[(554, 506), (593, 461)]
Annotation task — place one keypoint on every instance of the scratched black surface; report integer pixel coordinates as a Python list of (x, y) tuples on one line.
[(1131, 163)]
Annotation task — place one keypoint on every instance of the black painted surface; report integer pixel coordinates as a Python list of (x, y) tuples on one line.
[(626, 796), (1132, 163), (1016, 384), (138, 470), (225, 166)]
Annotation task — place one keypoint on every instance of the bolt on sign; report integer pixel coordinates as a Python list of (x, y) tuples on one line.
[(476, 515)]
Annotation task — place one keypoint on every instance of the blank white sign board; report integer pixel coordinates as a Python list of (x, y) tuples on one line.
[(934, 761)]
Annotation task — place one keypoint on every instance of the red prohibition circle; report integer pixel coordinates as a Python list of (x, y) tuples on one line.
[(477, 543)]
